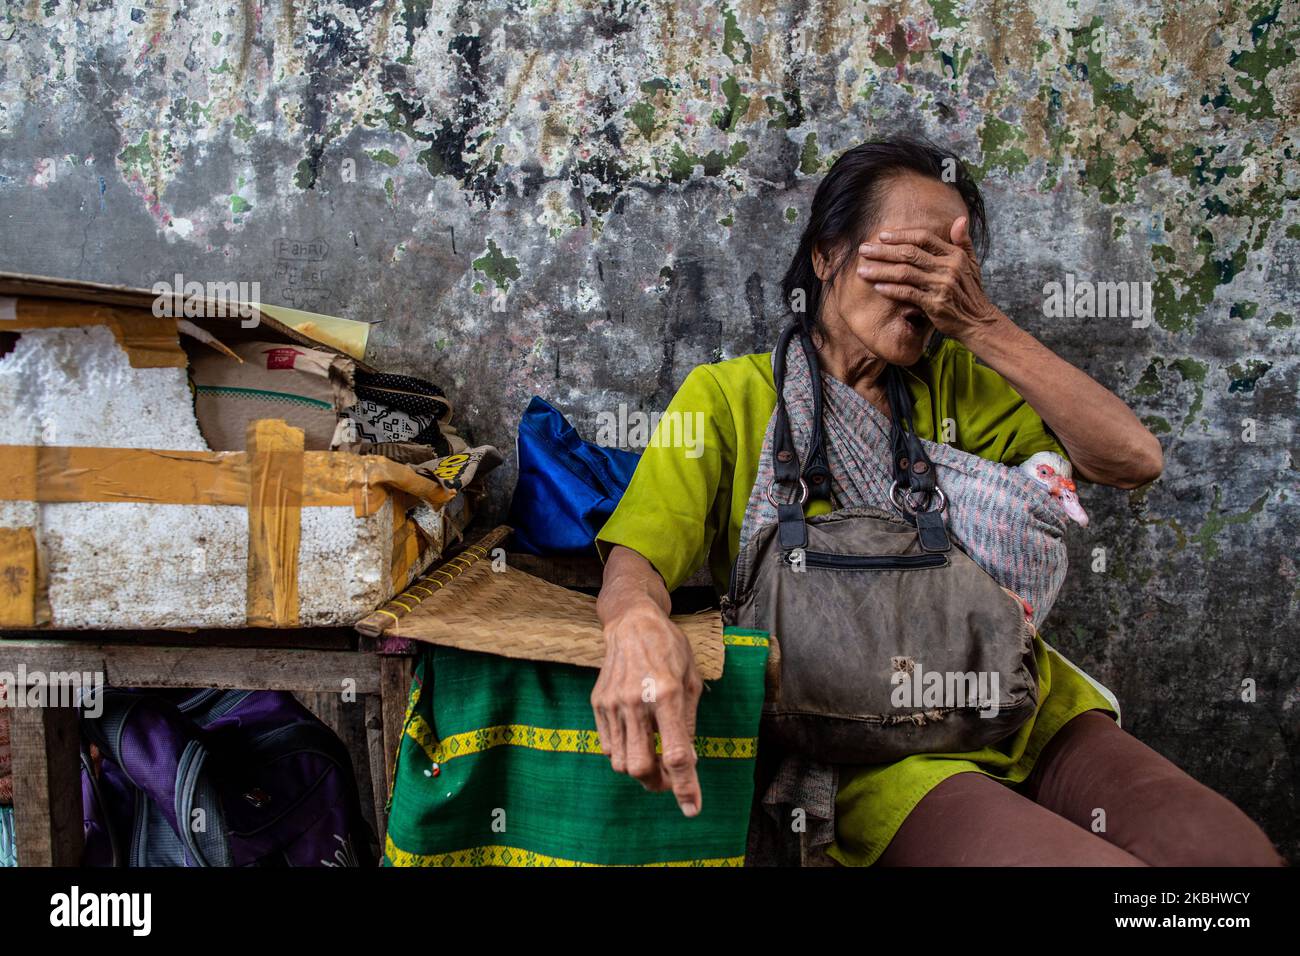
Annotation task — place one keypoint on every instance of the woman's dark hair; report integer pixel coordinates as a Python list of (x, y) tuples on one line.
[(847, 204)]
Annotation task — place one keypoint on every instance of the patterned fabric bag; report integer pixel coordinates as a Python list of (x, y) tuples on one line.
[(398, 408)]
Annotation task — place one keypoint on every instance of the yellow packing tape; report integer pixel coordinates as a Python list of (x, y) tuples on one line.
[(48, 473), (149, 341), (275, 475), (18, 584), (274, 480), (406, 544)]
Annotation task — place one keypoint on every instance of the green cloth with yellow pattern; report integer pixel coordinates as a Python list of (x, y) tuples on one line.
[(683, 511), (500, 765)]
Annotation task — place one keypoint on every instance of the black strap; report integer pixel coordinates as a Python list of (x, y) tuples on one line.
[(791, 531), (914, 475), (816, 472), (913, 469), (785, 460)]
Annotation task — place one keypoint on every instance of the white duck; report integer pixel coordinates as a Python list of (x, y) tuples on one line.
[(1053, 472)]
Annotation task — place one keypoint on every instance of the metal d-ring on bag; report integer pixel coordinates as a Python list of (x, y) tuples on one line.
[(892, 640)]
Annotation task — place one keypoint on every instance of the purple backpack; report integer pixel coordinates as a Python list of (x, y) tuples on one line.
[(218, 778)]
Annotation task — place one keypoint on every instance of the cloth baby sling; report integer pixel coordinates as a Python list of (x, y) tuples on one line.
[(868, 603)]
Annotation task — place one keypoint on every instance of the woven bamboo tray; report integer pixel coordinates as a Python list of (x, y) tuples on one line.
[(476, 604)]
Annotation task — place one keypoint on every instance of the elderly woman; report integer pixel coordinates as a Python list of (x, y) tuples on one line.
[(888, 273)]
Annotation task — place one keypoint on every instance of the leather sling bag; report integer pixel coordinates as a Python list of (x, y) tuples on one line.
[(890, 639)]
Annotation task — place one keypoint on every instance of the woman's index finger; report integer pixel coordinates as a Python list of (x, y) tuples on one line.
[(677, 739)]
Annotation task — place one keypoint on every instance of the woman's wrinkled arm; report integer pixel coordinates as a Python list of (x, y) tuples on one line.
[(1107, 442), (648, 681)]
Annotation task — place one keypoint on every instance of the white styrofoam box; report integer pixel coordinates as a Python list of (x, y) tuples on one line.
[(77, 387), (132, 565), (138, 565)]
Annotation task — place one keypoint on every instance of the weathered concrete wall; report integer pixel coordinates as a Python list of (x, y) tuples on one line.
[(624, 181)]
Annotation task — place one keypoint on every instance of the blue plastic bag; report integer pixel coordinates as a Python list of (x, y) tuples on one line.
[(567, 487)]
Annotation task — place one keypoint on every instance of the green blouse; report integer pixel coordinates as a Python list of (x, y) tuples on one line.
[(684, 507)]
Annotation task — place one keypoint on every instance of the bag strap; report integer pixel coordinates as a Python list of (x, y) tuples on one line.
[(914, 474), (916, 485), (791, 531)]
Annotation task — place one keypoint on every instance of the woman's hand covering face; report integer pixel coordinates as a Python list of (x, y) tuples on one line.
[(940, 277), (1105, 440)]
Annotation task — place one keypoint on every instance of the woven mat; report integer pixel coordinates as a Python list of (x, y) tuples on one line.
[(476, 604)]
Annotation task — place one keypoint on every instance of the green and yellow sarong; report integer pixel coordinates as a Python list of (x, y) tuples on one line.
[(500, 765)]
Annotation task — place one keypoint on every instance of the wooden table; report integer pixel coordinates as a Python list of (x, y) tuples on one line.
[(314, 663)]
